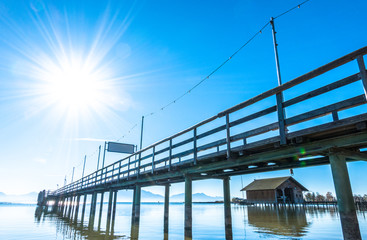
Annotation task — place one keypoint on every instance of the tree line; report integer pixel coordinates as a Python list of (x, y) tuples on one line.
[(328, 197)]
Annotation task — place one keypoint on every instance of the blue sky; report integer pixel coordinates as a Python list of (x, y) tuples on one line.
[(144, 54)]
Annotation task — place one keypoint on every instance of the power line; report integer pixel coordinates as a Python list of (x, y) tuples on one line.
[(223, 63), (291, 9), (207, 77), (211, 73)]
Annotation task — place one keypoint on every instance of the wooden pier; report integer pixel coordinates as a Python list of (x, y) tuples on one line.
[(226, 145)]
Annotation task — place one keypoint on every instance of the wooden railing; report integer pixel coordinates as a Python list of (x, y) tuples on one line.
[(192, 146)]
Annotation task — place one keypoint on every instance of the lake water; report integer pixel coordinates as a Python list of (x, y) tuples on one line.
[(249, 222)]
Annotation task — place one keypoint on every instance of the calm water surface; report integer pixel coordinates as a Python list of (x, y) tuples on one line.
[(23, 222)]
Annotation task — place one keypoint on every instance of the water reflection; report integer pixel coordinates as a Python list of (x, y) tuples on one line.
[(284, 221), (248, 222), (73, 230)]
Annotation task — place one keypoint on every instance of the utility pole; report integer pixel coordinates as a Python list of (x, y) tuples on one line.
[(104, 153), (85, 159), (99, 155), (279, 96), (141, 132), (72, 177)]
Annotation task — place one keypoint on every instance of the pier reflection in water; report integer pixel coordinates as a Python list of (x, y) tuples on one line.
[(68, 229), (249, 222)]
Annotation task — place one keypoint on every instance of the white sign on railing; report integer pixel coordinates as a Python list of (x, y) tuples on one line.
[(120, 147)]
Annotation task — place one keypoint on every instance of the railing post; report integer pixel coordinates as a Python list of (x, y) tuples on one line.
[(228, 134), (119, 170), (113, 172), (170, 155), (139, 162), (362, 69), (128, 169), (153, 156), (195, 146)]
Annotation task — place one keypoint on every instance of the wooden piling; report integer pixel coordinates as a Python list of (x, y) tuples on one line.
[(188, 207), (70, 206), (83, 209), (100, 212), (113, 212), (227, 209), (348, 216), (92, 210), (136, 213), (109, 211), (166, 211), (76, 209)]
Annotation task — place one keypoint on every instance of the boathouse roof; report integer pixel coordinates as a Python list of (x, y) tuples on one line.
[(270, 184)]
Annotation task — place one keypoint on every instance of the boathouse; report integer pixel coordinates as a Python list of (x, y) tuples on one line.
[(275, 190)]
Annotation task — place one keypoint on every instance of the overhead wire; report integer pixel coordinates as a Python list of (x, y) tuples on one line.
[(209, 75), (223, 63)]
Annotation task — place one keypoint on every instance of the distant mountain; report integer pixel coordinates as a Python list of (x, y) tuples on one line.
[(122, 196), (146, 196), (24, 198), (197, 197)]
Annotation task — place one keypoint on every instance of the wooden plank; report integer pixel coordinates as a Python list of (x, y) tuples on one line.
[(324, 89), (256, 131), (329, 126), (210, 132), (351, 102), (254, 116), (212, 144)]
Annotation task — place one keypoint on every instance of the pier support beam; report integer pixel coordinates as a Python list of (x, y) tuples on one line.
[(136, 213), (348, 216), (166, 210), (92, 210), (61, 212), (70, 207), (66, 205), (76, 209), (83, 209), (113, 212), (188, 207), (109, 212), (100, 212), (227, 208)]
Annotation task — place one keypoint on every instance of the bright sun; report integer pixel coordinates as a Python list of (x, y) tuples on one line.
[(73, 85)]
